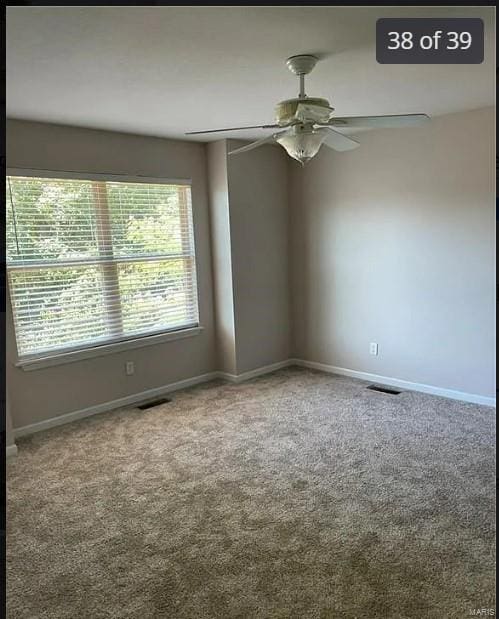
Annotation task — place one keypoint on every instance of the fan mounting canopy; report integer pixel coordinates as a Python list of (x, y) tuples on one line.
[(301, 64)]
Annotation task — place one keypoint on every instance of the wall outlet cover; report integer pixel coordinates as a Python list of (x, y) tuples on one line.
[(129, 368)]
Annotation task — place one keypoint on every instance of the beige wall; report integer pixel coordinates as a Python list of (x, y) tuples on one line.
[(244, 237), (250, 235), (394, 243), (258, 197), (48, 392), (221, 253), (9, 437)]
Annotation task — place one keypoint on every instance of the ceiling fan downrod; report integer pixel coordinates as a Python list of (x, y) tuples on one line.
[(301, 65)]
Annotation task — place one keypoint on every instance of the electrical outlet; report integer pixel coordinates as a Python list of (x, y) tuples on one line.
[(129, 368), (373, 348)]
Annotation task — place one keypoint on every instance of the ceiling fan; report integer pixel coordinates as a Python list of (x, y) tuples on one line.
[(308, 122)]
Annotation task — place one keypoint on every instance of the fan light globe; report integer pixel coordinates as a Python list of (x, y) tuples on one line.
[(302, 144)]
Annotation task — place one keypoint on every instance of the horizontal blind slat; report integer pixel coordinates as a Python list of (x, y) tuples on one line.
[(103, 341), (98, 260)]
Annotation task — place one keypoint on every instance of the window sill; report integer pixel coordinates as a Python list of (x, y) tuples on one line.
[(106, 349)]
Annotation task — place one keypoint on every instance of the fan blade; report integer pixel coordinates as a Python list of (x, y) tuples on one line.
[(233, 129), (256, 144), (380, 122), (338, 141)]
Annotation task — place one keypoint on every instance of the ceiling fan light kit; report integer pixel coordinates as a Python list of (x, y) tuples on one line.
[(302, 143), (309, 121)]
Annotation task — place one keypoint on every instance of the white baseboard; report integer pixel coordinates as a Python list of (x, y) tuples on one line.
[(144, 396), (11, 450), (266, 369), (396, 382), (239, 378), (113, 404)]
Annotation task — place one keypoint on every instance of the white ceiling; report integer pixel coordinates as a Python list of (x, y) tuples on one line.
[(166, 70)]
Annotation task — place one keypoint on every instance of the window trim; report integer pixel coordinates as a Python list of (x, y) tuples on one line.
[(61, 355), (96, 176)]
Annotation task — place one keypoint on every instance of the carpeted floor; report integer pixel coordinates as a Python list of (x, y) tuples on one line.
[(295, 495)]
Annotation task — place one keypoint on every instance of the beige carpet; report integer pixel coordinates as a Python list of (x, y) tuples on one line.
[(296, 495)]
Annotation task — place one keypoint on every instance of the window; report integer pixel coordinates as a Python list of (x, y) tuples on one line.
[(91, 262)]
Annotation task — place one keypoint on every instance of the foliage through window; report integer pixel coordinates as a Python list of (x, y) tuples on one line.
[(93, 262)]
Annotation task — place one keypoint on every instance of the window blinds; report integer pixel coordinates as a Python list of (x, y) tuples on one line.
[(93, 262)]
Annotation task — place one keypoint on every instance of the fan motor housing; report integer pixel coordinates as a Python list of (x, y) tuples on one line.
[(285, 111)]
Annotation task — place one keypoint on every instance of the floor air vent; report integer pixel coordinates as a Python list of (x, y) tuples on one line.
[(147, 405), (382, 389)]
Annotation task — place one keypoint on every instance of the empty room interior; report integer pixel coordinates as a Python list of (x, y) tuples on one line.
[(250, 312)]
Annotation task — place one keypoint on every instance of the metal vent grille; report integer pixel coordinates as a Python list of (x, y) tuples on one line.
[(383, 389), (153, 403)]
